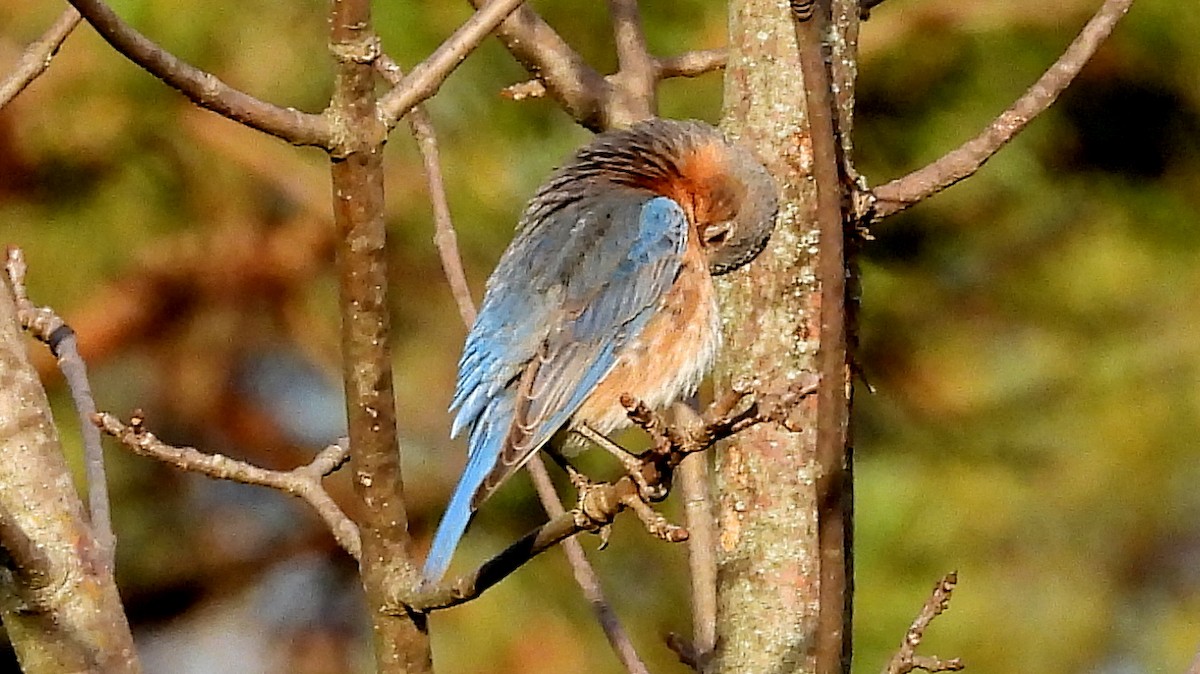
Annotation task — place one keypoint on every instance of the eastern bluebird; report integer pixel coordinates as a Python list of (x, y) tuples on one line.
[(607, 289)]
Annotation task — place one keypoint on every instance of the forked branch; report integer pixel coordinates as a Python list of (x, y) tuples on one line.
[(303, 482), (427, 76), (906, 659)]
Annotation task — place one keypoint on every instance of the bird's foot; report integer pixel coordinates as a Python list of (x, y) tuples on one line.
[(642, 469), (594, 507), (655, 523)]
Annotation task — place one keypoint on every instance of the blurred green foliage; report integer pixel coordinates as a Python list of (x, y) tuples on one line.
[(1033, 334)]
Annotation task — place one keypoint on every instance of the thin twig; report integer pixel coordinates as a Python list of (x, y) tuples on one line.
[(36, 57), (203, 88), (906, 660), (445, 238), (702, 562), (577, 87), (427, 77), (692, 63), (585, 575), (962, 162), (303, 482), (688, 64), (48, 327)]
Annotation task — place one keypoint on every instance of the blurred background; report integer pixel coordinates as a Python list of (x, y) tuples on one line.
[(1033, 335)]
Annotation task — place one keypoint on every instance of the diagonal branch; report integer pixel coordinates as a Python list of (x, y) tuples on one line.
[(427, 77), (303, 482), (204, 89), (577, 87), (36, 57), (585, 575), (899, 194)]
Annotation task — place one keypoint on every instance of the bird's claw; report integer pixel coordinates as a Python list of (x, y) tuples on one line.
[(593, 507), (655, 523), (605, 533)]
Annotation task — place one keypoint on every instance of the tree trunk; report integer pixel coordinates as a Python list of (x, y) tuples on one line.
[(783, 504)]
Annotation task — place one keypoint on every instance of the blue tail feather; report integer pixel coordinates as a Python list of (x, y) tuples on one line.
[(486, 437)]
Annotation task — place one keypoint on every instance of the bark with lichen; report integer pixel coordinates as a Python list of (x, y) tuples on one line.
[(769, 550)]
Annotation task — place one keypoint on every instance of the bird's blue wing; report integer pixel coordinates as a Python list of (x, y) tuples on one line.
[(575, 286)]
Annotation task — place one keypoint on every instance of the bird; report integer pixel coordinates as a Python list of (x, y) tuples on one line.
[(606, 289)]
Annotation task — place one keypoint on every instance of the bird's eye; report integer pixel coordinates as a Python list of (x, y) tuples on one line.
[(715, 235)]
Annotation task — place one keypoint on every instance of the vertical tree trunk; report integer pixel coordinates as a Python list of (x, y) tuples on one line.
[(783, 506), (401, 642)]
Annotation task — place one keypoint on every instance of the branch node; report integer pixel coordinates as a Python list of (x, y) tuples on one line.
[(523, 90), (364, 49), (905, 659)]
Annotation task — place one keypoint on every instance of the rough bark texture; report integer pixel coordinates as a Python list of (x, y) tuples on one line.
[(58, 599), (769, 554)]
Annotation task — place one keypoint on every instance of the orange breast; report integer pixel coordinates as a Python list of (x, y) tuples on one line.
[(670, 357)]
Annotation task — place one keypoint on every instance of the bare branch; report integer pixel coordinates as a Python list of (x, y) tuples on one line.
[(203, 88), (692, 64), (689, 64), (48, 327), (303, 482), (493, 571), (906, 660), (585, 575), (445, 237), (577, 87), (36, 57), (632, 96), (697, 507), (401, 643), (427, 77), (962, 162)]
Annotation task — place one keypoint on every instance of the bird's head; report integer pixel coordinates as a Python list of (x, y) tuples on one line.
[(728, 196), (735, 207)]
